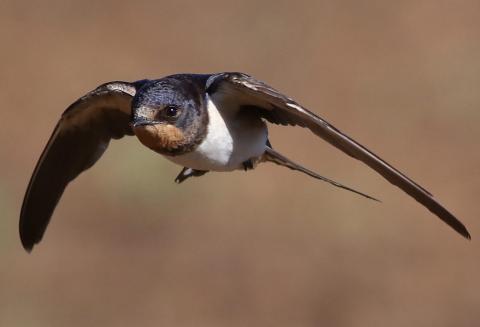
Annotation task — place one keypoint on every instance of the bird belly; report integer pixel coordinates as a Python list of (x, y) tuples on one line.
[(231, 139)]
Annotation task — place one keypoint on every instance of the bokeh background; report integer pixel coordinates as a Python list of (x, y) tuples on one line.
[(271, 247)]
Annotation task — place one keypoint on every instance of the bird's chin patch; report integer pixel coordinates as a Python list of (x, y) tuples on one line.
[(162, 138)]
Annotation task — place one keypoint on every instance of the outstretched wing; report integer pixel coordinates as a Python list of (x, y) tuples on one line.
[(80, 138), (246, 91)]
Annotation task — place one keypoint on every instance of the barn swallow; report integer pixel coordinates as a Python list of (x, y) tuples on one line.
[(214, 122)]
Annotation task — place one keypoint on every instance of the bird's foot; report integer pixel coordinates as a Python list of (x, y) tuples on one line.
[(189, 172), (248, 165)]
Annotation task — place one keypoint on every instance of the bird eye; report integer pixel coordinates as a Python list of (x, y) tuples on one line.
[(171, 111)]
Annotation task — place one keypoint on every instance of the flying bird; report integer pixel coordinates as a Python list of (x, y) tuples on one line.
[(203, 122)]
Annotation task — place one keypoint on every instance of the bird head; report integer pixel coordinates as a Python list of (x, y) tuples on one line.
[(169, 116)]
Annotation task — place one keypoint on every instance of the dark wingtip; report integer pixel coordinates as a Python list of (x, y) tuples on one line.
[(455, 224), (28, 236), (459, 228), (465, 233), (28, 249), (27, 243)]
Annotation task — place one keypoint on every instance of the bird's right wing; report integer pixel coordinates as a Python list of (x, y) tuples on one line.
[(80, 138)]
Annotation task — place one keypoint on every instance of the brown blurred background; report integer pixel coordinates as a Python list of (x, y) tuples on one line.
[(271, 247)]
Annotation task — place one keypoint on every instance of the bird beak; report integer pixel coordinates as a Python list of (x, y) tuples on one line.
[(141, 121)]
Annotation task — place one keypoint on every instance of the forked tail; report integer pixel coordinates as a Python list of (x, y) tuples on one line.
[(275, 157)]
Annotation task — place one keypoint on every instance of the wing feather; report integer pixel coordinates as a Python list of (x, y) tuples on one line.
[(79, 139), (280, 109)]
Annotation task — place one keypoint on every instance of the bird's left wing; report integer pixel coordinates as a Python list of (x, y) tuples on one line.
[(247, 92), (80, 138)]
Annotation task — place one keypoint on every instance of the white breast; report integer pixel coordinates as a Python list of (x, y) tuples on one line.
[(231, 139)]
